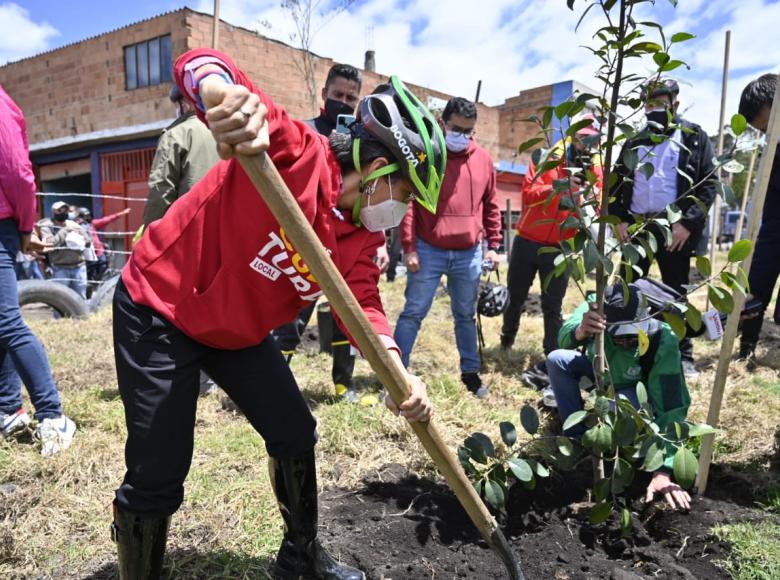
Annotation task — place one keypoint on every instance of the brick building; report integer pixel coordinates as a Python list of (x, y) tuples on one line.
[(95, 108)]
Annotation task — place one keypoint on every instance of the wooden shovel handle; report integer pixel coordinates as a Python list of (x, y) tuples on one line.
[(283, 205)]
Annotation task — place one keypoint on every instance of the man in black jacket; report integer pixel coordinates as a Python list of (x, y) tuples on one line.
[(683, 176), (755, 105), (340, 96)]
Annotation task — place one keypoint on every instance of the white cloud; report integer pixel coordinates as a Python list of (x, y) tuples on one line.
[(513, 45), (20, 36)]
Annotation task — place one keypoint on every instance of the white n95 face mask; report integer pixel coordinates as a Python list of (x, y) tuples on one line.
[(385, 215)]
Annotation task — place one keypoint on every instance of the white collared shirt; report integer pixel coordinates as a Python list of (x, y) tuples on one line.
[(654, 194)]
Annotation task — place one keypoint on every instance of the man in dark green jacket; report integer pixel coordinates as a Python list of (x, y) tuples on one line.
[(662, 374), (185, 152)]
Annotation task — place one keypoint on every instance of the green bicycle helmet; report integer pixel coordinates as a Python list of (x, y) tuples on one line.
[(396, 118)]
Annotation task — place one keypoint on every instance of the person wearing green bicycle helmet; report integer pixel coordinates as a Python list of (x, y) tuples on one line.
[(209, 280)]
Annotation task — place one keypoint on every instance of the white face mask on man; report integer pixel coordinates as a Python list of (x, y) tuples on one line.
[(456, 141), (384, 215)]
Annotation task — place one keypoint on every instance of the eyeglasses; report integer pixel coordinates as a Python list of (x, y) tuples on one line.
[(457, 129)]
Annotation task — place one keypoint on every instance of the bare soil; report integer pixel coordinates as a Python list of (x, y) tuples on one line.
[(402, 527)]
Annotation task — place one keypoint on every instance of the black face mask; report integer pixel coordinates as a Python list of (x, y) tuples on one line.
[(60, 217), (659, 120), (334, 108)]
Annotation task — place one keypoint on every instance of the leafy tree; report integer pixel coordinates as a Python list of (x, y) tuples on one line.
[(620, 439)]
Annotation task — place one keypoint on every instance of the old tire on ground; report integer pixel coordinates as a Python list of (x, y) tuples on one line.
[(104, 295), (61, 298)]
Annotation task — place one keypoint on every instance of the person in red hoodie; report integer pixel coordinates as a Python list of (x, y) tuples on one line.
[(539, 227), (450, 242), (206, 284)]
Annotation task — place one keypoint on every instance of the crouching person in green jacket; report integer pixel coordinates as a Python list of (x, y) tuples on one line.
[(660, 369)]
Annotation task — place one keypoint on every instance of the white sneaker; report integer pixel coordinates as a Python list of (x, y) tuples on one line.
[(13, 422), (548, 398), (55, 435)]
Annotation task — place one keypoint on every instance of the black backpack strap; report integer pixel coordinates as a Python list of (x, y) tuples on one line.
[(647, 360)]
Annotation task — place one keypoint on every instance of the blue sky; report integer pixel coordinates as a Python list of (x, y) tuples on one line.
[(508, 44)]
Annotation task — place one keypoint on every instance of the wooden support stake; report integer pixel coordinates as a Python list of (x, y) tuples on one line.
[(727, 346)]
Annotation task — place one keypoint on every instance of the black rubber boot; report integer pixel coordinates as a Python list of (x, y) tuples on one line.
[(301, 556), (140, 544), (343, 360)]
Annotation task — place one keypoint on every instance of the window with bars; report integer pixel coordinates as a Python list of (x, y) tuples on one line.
[(148, 63)]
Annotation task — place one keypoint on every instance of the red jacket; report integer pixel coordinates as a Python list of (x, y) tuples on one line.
[(467, 210), (219, 267), (539, 221)]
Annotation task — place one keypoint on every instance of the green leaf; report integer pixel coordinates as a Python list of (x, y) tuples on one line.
[(622, 476), (641, 393), (625, 431), (529, 144), (566, 201), (682, 37), (565, 445), (601, 406), (529, 419), (601, 490), (738, 124), (539, 469), (631, 254), (521, 470), (574, 419), (726, 192), (703, 265), (508, 433), (603, 438), (563, 109), (572, 130), (590, 255), (600, 512), (538, 155), (671, 65), (494, 494), (630, 159), (480, 446), (647, 169), (654, 458), (677, 324), (693, 317), (699, 429), (740, 251), (646, 47), (625, 522), (685, 467), (721, 299), (661, 58)]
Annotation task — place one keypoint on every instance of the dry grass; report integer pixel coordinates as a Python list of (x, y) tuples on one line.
[(55, 513)]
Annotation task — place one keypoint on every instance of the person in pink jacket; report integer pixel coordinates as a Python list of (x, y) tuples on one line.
[(21, 353)]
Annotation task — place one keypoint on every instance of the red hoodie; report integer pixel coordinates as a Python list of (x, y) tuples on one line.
[(219, 267), (541, 221), (467, 210)]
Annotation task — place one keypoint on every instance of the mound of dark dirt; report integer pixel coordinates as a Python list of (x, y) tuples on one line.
[(399, 526)]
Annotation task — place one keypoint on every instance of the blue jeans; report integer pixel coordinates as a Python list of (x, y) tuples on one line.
[(74, 277), (462, 268), (20, 350), (565, 369)]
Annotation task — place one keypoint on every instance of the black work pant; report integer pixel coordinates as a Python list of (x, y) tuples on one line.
[(764, 271), (158, 369), (289, 337), (675, 272), (393, 252), (525, 263)]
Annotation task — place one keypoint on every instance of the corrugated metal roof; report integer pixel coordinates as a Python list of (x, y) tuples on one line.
[(103, 135)]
